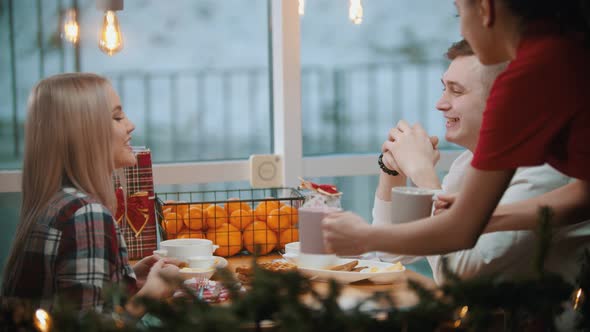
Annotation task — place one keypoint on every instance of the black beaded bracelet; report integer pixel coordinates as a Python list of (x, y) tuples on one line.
[(384, 168)]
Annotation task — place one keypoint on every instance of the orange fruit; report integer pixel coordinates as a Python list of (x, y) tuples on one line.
[(278, 221), (241, 218), (190, 235), (168, 204), (172, 223), (194, 218), (263, 209), (199, 205), (288, 236), (292, 212), (203, 208), (230, 206), (228, 238), (258, 235), (216, 216), (182, 209)]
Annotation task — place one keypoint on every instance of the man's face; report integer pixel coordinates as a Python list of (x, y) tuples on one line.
[(463, 101)]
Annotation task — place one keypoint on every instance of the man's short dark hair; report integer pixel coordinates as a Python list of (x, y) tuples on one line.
[(460, 48)]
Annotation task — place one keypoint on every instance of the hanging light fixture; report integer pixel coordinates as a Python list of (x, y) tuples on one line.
[(110, 39), (301, 7), (70, 29), (355, 11)]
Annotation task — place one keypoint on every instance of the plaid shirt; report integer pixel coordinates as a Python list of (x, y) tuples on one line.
[(74, 251)]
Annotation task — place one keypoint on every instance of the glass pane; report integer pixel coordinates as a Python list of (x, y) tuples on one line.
[(192, 75), (359, 80)]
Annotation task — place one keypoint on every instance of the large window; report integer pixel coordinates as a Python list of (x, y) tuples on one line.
[(359, 80), (193, 75)]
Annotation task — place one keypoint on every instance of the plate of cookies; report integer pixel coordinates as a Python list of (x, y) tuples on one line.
[(347, 270), (246, 273)]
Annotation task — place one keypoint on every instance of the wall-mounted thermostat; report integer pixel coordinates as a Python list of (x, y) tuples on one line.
[(266, 171)]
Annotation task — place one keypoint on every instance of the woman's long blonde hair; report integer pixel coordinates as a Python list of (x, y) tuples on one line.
[(68, 142)]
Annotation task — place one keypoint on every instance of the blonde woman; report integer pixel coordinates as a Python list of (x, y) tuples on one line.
[(67, 243)]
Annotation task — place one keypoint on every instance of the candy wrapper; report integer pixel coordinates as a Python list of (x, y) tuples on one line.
[(319, 195)]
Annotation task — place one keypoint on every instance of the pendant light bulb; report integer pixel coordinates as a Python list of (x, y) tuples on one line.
[(110, 39), (301, 7), (70, 30), (355, 11)]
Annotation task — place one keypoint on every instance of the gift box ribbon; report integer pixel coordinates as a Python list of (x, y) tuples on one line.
[(137, 212)]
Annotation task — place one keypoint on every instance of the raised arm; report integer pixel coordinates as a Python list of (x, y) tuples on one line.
[(570, 205), (457, 229), (414, 153)]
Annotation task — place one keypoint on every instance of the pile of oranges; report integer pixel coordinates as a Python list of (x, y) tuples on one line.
[(234, 225)]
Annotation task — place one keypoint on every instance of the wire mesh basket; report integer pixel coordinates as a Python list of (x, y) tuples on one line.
[(235, 220)]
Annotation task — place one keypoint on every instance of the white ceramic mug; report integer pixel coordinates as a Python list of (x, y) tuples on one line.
[(411, 203), (311, 239), (185, 248), (292, 248), (201, 262), (315, 261)]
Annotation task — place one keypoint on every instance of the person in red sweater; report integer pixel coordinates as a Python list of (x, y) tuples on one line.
[(538, 111)]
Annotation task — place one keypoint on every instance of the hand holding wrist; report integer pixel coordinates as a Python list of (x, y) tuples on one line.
[(384, 167)]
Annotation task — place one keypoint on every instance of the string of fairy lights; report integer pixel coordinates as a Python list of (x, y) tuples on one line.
[(110, 39)]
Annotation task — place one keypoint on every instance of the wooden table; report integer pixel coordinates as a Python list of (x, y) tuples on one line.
[(358, 291), (353, 293)]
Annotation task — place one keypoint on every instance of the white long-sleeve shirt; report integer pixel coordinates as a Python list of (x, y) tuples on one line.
[(508, 253)]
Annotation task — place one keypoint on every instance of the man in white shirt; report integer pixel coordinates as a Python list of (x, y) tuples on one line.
[(466, 86)]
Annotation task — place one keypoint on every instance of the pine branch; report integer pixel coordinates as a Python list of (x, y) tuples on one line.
[(583, 280), (278, 297)]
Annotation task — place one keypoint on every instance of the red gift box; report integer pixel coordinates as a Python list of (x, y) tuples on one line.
[(136, 212)]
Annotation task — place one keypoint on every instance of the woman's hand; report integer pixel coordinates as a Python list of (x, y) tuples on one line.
[(346, 233), (443, 202), (142, 267), (161, 281)]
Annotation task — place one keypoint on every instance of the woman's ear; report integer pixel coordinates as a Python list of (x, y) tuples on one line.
[(487, 12)]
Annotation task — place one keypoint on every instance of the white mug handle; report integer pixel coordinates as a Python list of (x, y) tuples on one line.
[(436, 192), (213, 248)]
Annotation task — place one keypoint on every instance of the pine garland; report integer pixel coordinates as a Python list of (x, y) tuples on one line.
[(459, 305), (583, 281)]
